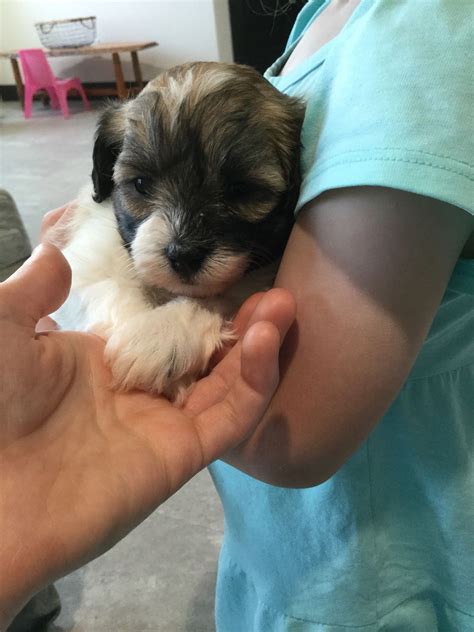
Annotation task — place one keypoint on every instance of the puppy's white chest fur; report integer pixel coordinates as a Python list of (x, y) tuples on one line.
[(156, 341)]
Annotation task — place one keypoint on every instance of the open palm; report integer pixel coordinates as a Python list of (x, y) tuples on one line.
[(82, 464)]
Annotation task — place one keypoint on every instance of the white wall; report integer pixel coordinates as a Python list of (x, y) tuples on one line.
[(185, 30)]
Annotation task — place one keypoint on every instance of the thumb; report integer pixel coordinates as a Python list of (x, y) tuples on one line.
[(228, 423), (39, 287)]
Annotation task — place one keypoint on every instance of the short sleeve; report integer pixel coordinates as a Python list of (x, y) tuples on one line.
[(394, 105)]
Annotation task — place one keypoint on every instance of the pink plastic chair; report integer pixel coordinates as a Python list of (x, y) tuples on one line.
[(38, 75)]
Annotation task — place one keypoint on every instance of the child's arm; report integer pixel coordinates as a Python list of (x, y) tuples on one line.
[(368, 268)]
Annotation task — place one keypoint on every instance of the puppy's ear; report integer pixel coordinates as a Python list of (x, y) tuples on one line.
[(108, 144)]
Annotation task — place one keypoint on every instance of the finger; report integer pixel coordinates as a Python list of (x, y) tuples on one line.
[(228, 423), (50, 218), (239, 324), (242, 318), (55, 225), (39, 287), (276, 306)]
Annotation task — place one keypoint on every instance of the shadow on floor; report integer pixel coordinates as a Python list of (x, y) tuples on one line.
[(200, 613), (70, 603)]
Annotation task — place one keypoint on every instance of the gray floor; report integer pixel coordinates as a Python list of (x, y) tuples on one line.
[(160, 578)]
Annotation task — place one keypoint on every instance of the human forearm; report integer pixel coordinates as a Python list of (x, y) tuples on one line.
[(326, 405), (376, 264)]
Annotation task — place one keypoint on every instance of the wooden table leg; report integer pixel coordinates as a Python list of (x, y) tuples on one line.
[(122, 91), (137, 70), (18, 80)]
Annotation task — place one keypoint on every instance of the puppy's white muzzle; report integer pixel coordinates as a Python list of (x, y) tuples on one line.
[(189, 272)]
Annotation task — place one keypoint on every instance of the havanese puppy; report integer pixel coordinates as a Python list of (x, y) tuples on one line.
[(194, 186)]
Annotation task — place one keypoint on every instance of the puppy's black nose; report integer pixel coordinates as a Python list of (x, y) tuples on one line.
[(185, 260)]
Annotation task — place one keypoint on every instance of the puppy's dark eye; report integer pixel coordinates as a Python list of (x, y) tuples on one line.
[(142, 185), (238, 189)]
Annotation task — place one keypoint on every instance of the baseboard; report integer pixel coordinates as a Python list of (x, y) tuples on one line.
[(9, 92)]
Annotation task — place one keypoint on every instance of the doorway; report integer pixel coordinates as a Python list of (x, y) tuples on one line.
[(260, 29)]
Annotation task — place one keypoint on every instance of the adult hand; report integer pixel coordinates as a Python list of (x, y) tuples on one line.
[(55, 227), (81, 464)]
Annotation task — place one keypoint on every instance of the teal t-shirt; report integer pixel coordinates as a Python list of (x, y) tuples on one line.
[(387, 543)]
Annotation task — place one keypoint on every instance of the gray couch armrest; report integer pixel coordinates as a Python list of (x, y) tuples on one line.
[(15, 246)]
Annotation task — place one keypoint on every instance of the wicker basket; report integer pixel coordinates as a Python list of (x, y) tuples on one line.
[(72, 33)]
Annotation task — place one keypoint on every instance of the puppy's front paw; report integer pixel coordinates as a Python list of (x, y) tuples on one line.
[(165, 350)]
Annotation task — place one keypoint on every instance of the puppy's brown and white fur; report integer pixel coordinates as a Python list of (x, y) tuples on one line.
[(194, 185)]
